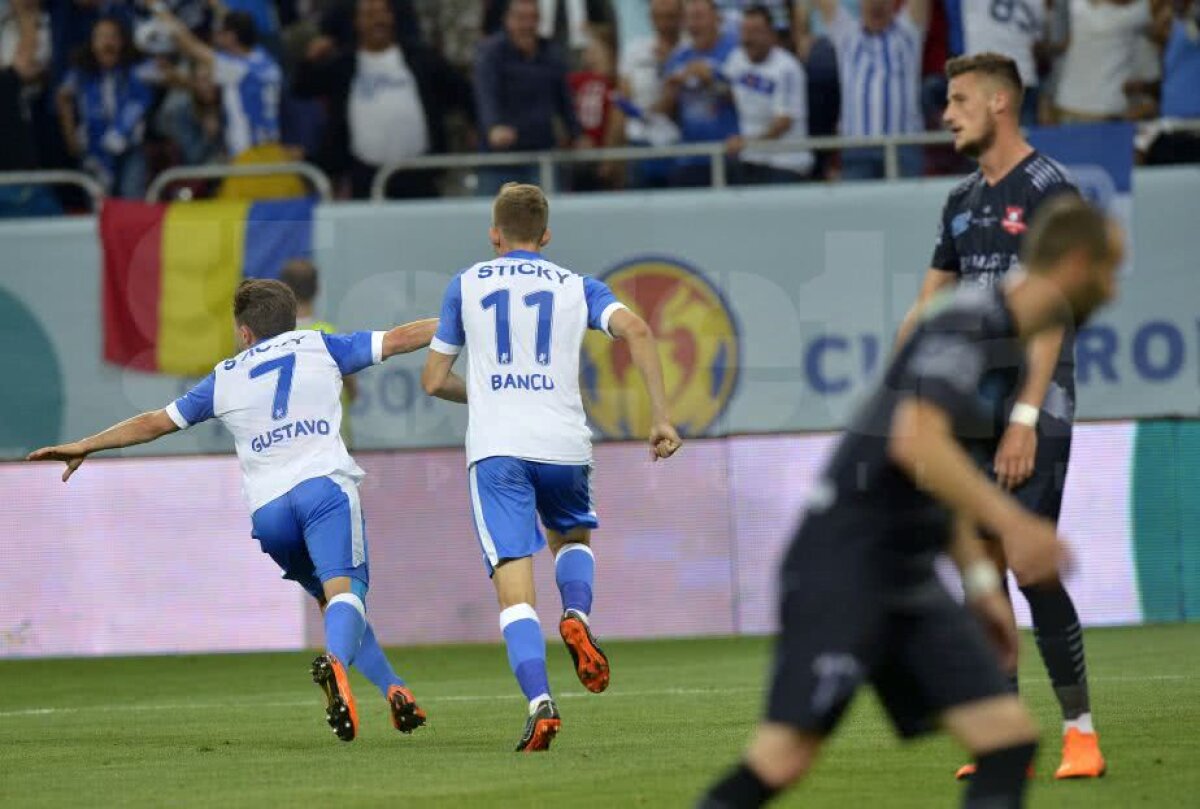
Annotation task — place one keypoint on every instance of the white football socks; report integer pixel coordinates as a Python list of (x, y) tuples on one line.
[(1083, 724)]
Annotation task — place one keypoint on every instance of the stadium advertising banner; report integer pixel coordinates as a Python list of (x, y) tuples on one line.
[(774, 309), (170, 534)]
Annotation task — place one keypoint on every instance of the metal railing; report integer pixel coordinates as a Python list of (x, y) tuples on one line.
[(308, 171), (546, 161), (78, 179)]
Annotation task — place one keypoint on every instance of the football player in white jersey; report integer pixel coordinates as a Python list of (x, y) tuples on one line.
[(528, 444), (281, 400)]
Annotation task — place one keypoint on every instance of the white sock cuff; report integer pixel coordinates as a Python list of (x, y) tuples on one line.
[(351, 599), (573, 546), (517, 612)]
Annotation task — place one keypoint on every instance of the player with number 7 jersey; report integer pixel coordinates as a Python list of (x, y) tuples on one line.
[(280, 398), (529, 449)]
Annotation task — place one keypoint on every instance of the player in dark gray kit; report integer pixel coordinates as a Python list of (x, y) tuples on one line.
[(861, 601), (980, 233)]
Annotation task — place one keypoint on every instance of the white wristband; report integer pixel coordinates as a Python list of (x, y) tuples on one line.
[(1025, 414), (979, 579)]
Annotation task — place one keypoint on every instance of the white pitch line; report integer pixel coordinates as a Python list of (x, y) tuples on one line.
[(206, 706), (660, 692)]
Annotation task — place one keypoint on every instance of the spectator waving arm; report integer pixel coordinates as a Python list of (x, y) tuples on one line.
[(188, 42)]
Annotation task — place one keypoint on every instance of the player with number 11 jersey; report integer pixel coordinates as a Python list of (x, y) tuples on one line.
[(529, 449)]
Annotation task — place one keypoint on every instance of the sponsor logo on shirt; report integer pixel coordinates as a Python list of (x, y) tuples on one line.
[(1014, 219), (698, 343)]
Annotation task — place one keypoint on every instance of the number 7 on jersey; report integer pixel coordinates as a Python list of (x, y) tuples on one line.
[(285, 365)]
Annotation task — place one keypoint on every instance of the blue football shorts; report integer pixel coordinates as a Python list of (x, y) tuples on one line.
[(316, 532), (508, 495)]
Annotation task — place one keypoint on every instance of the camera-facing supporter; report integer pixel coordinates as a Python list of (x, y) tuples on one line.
[(521, 91), (102, 105), (696, 93), (879, 56), (640, 89), (566, 23), (387, 103), (770, 94), (337, 22)]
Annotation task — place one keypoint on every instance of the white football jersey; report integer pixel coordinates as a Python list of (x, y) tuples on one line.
[(281, 400), (523, 318)]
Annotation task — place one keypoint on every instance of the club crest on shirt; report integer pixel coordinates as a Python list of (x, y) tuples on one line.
[(698, 342), (1014, 219)]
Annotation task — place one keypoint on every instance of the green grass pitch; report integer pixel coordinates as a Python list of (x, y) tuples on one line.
[(247, 730)]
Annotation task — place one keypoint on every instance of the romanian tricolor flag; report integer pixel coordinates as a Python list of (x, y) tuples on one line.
[(170, 271)]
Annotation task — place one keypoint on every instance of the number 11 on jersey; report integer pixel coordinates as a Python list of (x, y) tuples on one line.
[(543, 301)]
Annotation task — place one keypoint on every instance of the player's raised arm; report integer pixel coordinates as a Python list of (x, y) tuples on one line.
[(140, 429), (625, 325), (922, 444)]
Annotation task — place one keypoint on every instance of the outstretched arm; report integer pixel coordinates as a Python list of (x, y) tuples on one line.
[(409, 337), (439, 380), (140, 429), (625, 325)]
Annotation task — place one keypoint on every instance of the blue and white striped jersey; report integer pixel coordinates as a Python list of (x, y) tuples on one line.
[(281, 401), (523, 319), (881, 75), (250, 91)]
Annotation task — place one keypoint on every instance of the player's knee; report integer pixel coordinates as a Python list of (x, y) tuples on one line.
[(572, 546), (781, 755), (351, 600)]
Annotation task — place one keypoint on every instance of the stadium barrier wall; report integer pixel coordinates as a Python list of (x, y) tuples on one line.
[(776, 308), (154, 555)]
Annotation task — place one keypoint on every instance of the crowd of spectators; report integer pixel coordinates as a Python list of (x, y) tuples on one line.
[(125, 88)]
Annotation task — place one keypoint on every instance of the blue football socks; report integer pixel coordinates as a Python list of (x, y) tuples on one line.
[(345, 622), (526, 650), (574, 571), (373, 663)]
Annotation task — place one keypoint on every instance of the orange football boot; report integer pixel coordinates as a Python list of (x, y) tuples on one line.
[(965, 772), (340, 710), (407, 716), (591, 664), (1081, 757), (541, 728)]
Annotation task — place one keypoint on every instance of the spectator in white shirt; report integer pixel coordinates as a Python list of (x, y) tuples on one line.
[(642, 61), (879, 59), (769, 92), (1100, 59)]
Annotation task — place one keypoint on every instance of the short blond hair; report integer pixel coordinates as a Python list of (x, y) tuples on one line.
[(521, 213)]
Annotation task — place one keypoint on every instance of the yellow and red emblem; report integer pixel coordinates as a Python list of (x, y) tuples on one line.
[(697, 342)]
